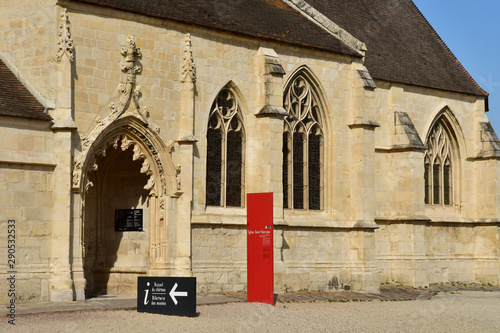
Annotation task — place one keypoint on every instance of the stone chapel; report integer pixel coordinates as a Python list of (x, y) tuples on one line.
[(368, 131)]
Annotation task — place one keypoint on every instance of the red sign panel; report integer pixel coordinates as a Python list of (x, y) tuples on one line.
[(260, 268)]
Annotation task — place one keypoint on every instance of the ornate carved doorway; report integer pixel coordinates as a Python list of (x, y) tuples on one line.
[(123, 163), (113, 259), (124, 169)]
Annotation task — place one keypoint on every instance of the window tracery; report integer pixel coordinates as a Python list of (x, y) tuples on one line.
[(225, 151), (302, 147), (439, 166)]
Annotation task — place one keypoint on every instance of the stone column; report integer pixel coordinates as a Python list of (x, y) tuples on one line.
[(61, 287), (184, 184), (362, 148), (61, 280), (76, 248), (364, 271), (265, 139), (482, 196)]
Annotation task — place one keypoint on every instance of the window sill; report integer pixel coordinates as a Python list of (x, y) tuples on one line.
[(320, 219), (237, 216), (438, 213), (221, 216), (449, 214)]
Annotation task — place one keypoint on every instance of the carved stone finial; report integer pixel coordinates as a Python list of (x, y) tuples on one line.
[(129, 90), (65, 43), (188, 65), (128, 100), (131, 52)]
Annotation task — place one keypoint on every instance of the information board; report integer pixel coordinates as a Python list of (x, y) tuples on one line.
[(128, 220), (167, 295), (260, 258)]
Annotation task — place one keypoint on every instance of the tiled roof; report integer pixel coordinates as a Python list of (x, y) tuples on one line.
[(16, 100), (269, 19), (402, 45)]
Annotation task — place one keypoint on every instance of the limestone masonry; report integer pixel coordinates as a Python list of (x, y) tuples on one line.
[(368, 131)]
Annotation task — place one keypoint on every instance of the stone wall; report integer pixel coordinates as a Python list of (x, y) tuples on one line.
[(226, 60), (26, 196), (219, 258), (418, 244), (222, 59), (372, 166), (417, 254), (315, 259), (29, 42)]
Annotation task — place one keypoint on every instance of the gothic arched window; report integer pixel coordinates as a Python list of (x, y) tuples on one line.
[(225, 152), (439, 164), (302, 147)]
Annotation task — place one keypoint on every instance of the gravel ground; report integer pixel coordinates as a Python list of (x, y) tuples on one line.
[(466, 311)]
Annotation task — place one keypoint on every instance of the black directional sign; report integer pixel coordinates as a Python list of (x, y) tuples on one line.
[(167, 295)]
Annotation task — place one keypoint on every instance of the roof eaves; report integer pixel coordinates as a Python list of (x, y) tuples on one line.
[(43, 117), (374, 77)]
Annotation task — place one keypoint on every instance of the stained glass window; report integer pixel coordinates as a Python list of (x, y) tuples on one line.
[(302, 147), (436, 180), (314, 171), (214, 167), (439, 165), (447, 184), (225, 151), (298, 171), (234, 172), (427, 170), (286, 159)]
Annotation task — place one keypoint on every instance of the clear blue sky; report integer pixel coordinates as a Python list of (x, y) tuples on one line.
[(471, 29)]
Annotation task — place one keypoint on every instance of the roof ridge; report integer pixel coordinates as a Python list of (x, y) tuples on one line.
[(448, 50), (334, 29)]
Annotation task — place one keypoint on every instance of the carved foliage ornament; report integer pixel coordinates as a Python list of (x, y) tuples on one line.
[(131, 53), (188, 65), (65, 43), (124, 142), (130, 93)]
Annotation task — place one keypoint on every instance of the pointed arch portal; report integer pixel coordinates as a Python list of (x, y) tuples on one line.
[(126, 167)]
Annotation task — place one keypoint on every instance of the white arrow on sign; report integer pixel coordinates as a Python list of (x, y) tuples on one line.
[(174, 293)]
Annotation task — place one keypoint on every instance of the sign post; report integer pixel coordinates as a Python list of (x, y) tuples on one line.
[(167, 295), (260, 261)]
